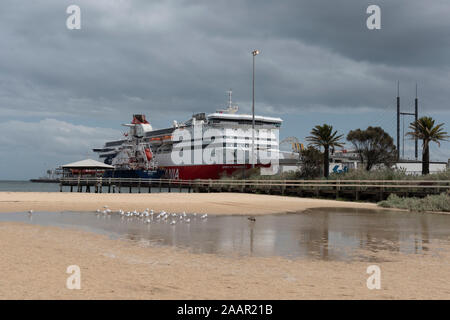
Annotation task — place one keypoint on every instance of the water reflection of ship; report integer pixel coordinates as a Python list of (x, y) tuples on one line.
[(331, 234)]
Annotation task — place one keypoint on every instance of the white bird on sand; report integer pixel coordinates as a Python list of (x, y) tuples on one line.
[(204, 216), (98, 211)]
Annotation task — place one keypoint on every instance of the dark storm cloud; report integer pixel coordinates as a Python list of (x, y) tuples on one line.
[(414, 33), (169, 58), (182, 55)]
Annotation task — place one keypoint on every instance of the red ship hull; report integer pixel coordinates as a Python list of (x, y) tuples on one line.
[(211, 171)]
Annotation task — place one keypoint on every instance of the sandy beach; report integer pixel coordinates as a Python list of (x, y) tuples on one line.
[(34, 259), (211, 203)]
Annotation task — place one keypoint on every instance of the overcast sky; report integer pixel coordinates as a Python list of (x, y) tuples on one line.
[(63, 91)]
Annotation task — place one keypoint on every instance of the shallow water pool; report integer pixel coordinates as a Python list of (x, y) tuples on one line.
[(327, 234)]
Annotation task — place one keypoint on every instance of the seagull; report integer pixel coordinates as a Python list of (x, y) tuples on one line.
[(173, 222), (147, 221), (98, 211), (30, 212), (105, 206), (187, 220), (251, 219), (204, 216)]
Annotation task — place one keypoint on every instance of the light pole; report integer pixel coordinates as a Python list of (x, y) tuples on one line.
[(254, 53)]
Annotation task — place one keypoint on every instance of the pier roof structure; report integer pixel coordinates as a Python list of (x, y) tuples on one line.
[(87, 164)]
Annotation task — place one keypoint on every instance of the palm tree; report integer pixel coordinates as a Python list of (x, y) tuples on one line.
[(425, 130), (323, 136)]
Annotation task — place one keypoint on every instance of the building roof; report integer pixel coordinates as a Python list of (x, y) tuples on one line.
[(88, 163)]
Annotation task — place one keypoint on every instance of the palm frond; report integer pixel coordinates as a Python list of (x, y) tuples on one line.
[(323, 136)]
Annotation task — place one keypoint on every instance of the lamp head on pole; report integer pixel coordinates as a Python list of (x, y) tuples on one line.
[(255, 52)]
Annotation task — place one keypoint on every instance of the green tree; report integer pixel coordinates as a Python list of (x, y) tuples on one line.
[(373, 146), (425, 130), (311, 161), (323, 136)]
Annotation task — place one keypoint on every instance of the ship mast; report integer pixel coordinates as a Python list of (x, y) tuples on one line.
[(230, 108), (230, 92)]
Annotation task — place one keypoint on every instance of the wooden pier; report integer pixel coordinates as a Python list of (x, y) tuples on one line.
[(374, 190)]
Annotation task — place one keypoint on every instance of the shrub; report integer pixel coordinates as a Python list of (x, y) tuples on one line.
[(429, 203), (388, 174)]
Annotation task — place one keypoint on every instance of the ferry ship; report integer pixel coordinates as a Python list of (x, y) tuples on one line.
[(143, 144)]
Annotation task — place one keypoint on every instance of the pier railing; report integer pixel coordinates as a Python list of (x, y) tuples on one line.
[(372, 189)]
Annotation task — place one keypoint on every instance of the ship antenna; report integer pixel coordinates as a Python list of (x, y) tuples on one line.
[(230, 92)]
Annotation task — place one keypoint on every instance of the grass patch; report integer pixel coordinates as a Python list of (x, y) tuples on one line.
[(429, 203)]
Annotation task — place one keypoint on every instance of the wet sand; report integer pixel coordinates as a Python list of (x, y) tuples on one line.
[(211, 203), (34, 259)]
